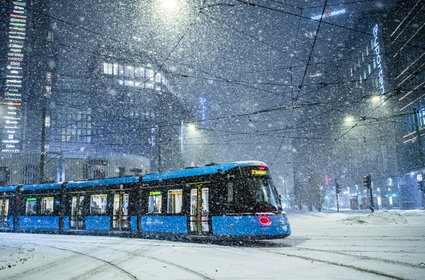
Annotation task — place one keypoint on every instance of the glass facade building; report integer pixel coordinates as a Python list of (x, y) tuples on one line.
[(95, 109)]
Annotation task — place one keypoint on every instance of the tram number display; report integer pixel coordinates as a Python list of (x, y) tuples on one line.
[(258, 172)]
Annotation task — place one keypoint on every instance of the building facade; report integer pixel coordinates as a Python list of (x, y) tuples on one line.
[(405, 37), (74, 107)]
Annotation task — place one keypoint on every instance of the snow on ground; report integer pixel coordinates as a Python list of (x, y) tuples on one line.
[(381, 245)]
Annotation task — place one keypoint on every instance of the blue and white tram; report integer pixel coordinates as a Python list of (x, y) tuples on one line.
[(232, 200)]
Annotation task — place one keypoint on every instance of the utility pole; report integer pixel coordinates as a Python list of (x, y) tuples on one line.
[(337, 191), (42, 146), (159, 147)]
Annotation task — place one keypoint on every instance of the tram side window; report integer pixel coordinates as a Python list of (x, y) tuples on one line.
[(47, 205), (4, 207), (31, 206), (155, 202), (98, 204), (175, 201)]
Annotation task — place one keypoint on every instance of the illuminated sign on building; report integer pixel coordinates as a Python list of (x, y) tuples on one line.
[(12, 96), (330, 14), (378, 59)]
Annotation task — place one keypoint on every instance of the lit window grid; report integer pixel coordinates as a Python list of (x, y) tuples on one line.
[(75, 127), (138, 74)]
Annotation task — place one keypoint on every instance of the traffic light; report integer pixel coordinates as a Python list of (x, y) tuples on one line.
[(337, 187), (367, 181), (421, 185)]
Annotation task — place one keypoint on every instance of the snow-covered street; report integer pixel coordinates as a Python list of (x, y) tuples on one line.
[(383, 245)]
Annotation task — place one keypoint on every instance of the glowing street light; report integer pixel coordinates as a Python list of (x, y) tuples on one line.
[(191, 127), (170, 5), (349, 120), (376, 99), (171, 13)]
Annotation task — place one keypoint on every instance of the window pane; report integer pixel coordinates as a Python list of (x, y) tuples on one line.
[(4, 207), (139, 72), (115, 68), (47, 205), (205, 201), (98, 204), (155, 202), (158, 78), (175, 201), (149, 73), (31, 206), (129, 71)]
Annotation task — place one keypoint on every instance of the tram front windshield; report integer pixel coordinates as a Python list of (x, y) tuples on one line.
[(252, 194)]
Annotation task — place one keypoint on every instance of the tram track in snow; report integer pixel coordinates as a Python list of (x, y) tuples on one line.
[(343, 264), (136, 253), (115, 263), (76, 254), (363, 257)]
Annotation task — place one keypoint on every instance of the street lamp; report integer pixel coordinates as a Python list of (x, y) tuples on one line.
[(170, 5), (191, 127), (376, 99), (349, 120)]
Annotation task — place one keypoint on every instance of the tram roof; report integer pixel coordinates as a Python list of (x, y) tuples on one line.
[(197, 171), (52, 186), (8, 189), (100, 182)]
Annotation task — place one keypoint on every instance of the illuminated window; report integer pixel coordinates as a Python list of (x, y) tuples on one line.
[(155, 202), (47, 205), (149, 73), (115, 69), (107, 68), (421, 117), (175, 201), (98, 204), (129, 83), (149, 85), (129, 71), (31, 206), (164, 81), (158, 78), (4, 211), (139, 72)]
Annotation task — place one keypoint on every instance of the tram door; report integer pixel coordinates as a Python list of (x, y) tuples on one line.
[(4, 213), (120, 219), (199, 210), (77, 207)]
